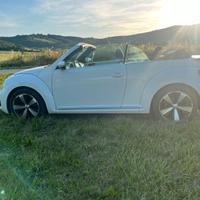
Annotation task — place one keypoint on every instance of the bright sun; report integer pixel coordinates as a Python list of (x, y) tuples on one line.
[(180, 12)]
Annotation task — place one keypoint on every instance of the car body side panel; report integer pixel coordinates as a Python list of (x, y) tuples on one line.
[(30, 81), (166, 77), (92, 87), (145, 79), (138, 74)]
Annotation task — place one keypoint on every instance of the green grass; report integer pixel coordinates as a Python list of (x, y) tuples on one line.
[(99, 157), (3, 76)]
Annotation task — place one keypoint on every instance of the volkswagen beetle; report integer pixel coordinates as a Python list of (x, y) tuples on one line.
[(115, 79)]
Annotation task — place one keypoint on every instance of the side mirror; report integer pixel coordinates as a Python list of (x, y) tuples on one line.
[(61, 65)]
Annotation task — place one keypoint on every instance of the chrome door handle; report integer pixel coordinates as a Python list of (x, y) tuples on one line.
[(118, 75)]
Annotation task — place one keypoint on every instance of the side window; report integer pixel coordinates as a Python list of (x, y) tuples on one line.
[(135, 54), (89, 56), (82, 57), (108, 54)]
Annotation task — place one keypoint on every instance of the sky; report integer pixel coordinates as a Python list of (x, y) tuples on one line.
[(85, 18)]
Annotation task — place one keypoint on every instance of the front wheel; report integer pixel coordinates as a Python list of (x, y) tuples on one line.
[(27, 103), (175, 103)]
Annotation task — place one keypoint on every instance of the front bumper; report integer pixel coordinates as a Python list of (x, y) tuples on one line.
[(3, 103), (0, 99)]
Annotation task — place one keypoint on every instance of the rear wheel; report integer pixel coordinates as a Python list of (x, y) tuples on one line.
[(27, 103), (175, 103)]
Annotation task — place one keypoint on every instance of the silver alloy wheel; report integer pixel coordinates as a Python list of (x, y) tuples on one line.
[(176, 106), (25, 105)]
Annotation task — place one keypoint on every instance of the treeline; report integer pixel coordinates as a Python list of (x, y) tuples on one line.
[(8, 46)]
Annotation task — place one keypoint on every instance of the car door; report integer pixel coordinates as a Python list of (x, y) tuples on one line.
[(100, 86), (139, 71)]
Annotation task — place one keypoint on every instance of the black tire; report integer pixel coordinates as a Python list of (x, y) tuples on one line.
[(189, 103), (27, 103)]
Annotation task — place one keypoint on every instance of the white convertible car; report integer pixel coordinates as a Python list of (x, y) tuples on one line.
[(88, 79)]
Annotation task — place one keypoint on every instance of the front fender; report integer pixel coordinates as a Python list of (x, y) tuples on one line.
[(29, 81), (187, 76)]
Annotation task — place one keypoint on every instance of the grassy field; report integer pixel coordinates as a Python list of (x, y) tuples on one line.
[(3, 76), (27, 59), (98, 158)]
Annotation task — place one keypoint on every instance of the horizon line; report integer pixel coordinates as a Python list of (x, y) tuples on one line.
[(178, 25)]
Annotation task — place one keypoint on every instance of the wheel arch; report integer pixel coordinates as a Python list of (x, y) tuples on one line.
[(31, 82), (149, 94), (23, 87), (192, 89)]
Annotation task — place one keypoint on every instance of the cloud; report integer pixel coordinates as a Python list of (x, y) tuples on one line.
[(100, 18), (7, 22)]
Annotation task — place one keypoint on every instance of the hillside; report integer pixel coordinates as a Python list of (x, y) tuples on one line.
[(185, 34), (44, 41), (179, 34), (6, 45)]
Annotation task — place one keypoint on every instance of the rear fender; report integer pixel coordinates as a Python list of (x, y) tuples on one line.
[(166, 78)]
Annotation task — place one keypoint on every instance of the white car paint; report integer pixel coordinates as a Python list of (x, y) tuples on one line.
[(97, 87), (104, 88)]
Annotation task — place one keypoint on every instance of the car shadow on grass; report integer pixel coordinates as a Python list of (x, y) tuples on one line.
[(103, 116)]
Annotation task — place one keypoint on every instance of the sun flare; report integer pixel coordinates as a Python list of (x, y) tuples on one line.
[(180, 12)]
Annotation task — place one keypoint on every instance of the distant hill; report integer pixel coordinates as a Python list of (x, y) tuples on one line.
[(185, 34), (7, 46), (189, 34)]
